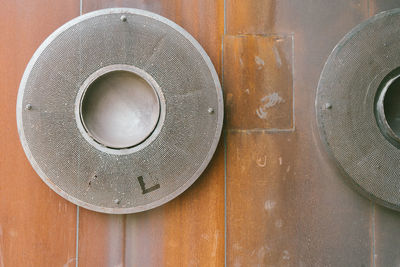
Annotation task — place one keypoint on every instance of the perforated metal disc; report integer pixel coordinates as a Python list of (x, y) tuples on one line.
[(171, 116), (350, 84)]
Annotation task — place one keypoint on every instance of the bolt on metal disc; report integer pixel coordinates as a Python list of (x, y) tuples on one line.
[(358, 111), (119, 110)]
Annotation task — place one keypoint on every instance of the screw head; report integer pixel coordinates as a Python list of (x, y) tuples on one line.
[(210, 110), (123, 18), (117, 201), (28, 107), (328, 106)]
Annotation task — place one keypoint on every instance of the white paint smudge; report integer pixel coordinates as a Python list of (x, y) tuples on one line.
[(288, 169), (269, 205), (236, 246), (261, 113), (261, 253), (259, 62), (267, 102), (215, 245), (286, 255), (277, 57), (241, 61), (205, 236), (280, 160), (247, 91), (262, 162), (71, 260), (278, 223)]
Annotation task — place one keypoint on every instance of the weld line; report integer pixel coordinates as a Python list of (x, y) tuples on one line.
[(260, 130), (293, 83), (225, 196), (224, 17), (77, 237), (373, 235), (225, 149)]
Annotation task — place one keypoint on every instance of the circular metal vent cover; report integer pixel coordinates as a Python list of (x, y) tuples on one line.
[(357, 107), (119, 110)]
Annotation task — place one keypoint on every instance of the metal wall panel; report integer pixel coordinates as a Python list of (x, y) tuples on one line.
[(188, 231), (37, 227), (286, 204)]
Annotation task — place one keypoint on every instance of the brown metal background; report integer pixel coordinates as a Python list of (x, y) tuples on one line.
[(286, 205)]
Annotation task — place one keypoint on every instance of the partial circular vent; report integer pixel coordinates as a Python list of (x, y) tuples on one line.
[(114, 107), (357, 106)]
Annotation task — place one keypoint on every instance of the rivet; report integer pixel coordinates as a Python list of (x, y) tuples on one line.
[(328, 106), (28, 107), (117, 201), (123, 18), (210, 110)]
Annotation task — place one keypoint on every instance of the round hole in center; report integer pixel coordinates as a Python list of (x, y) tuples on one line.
[(391, 106), (120, 109), (387, 107)]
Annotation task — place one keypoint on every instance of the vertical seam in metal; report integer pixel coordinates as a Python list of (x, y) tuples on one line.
[(77, 237), (225, 149), (124, 240), (224, 17), (293, 84), (373, 234), (225, 199)]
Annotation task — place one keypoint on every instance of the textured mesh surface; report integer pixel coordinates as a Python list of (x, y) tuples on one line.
[(98, 178), (349, 82)]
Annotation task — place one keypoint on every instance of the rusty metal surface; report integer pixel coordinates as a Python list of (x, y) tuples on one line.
[(37, 227), (188, 231), (323, 221), (259, 94)]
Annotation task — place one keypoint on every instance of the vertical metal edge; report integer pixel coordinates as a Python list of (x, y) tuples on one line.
[(225, 142), (77, 238)]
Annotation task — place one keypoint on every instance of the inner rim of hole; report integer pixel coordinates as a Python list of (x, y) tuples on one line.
[(387, 108), (122, 97)]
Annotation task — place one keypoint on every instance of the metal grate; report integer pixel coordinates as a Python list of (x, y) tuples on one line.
[(345, 107), (110, 182)]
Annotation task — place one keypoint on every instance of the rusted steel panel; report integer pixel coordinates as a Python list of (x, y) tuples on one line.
[(324, 221), (261, 209), (278, 214), (188, 231), (251, 16), (387, 237), (145, 238), (286, 204), (194, 223), (101, 239), (37, 227), (258, 82)]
